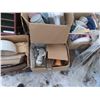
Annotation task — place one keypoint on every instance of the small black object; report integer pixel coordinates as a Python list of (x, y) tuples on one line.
[(21, 85), (47, 82), (57, 85), (64, 72)]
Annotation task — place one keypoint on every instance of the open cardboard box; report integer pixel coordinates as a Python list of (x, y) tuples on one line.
[(40, 32), (53, 51), (54, 37), (16, 39), (76, 16)]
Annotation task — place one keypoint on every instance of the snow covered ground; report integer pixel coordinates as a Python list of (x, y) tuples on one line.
[(30, 79), (54, 79)]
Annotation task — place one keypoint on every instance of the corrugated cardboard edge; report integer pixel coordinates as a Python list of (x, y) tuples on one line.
[(24, 16)]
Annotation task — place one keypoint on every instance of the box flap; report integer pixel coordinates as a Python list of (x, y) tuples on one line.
[(57, 52), (69, 18), (25, 17), (15, 38), (78, 15), (48, 33)]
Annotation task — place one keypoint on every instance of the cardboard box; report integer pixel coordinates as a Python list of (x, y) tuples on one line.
[(16, 39), (39, 33), (76, 16), (54, 51), (54, 37)]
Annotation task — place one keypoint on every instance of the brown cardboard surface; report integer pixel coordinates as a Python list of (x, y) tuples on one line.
[(48, 34), (69, 18), (62, 68), (78, 15), (57, 52), (16, 38)]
